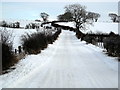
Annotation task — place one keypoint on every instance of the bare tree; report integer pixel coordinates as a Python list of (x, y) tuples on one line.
[(90, 15), (113, 16), (93, 16), (96, 16), (44, 16), (79, 14), (118, 19), (60, 17), (6, 37), (3, 24), (67, 16), (17, 24)]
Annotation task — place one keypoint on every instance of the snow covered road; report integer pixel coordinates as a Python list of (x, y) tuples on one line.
[(72, 64)]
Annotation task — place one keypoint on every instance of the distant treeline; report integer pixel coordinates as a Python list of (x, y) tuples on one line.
[(10, 25)]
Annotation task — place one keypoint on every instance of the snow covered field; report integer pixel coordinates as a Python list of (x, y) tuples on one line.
[(68, 63), (104, 27), (18, 32), (16, 35), (97, 27)]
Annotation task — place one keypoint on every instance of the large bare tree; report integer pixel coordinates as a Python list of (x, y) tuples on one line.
[(79, 14)]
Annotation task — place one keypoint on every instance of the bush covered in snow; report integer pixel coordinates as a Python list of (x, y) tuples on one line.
[(8, 57), (55, 35)]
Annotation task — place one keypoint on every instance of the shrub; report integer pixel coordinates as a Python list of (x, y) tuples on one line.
[(34, 43), (3, 24), (8, 57), (88, 39), (56, 34), (50, 39), (112, 45), (31, 26)]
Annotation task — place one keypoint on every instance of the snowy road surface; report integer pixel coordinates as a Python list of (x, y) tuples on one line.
[(70, 64)]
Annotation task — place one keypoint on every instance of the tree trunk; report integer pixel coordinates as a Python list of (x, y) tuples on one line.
[(96, 20), (114, 20), (77, 27)]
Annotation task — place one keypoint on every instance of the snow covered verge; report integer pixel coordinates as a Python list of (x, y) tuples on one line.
[(19, 37), (26, 66), (68, 63), (97, 27)]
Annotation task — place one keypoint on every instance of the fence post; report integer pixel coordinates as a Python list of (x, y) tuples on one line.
[(15, 51), (19, 49)]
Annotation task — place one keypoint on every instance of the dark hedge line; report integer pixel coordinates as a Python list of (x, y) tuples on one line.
[(111, 42), (112, 45), (34, 43), (8, 57)]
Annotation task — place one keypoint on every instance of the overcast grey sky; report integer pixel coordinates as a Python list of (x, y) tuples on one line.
[(32, 10)]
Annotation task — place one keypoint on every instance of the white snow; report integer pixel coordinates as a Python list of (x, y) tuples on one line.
[(70, 24), (67, 63), (97, 27), (16, 35), (18, 32), (104, 27)]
